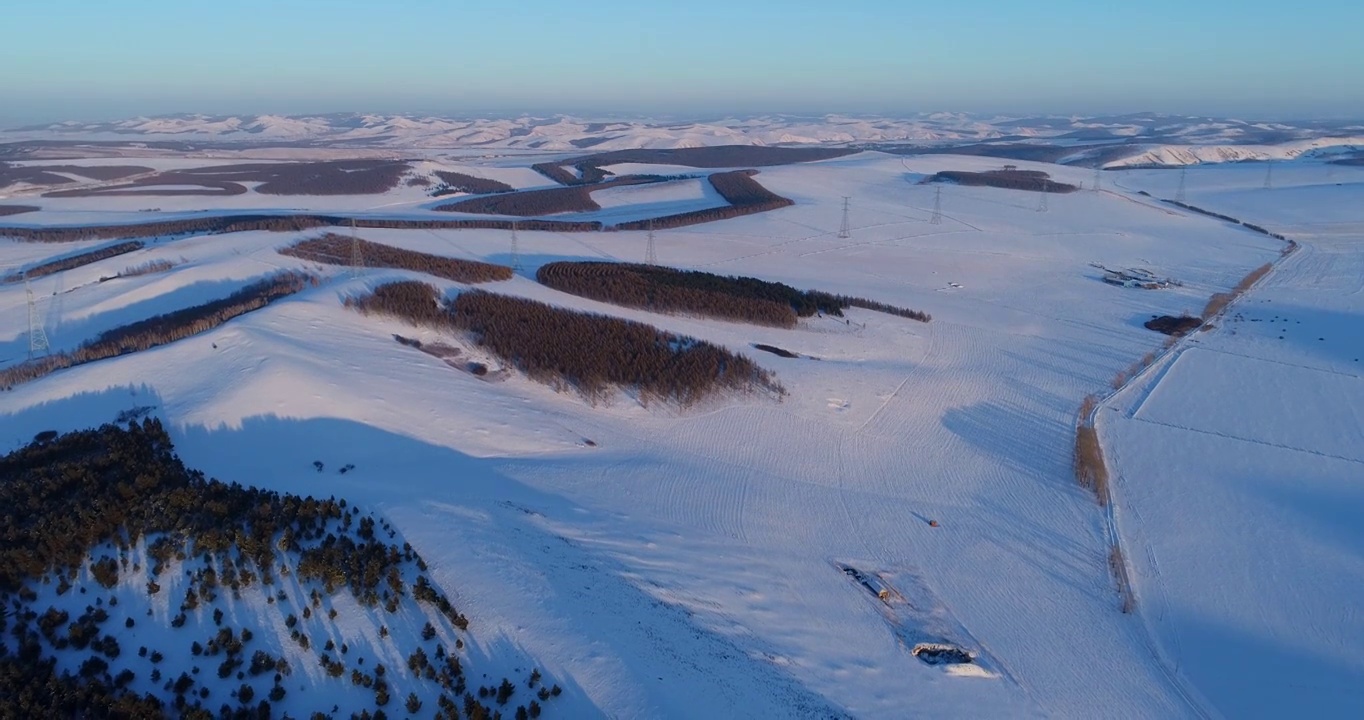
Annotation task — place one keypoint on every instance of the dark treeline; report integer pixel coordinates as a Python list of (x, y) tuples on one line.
[(459, 182), (745, 196), (1227, 218), (47, 174), (161, 329), (719, 156), (66, 496), (545, 201), (222, 224), (17, 209), (334, 249), (589, 353), (326, 177), (1031, 180), (588, 173), (75, 261), (669, 290)]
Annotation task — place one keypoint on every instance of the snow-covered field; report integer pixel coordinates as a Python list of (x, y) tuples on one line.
[(1239, 459), (691, 563)]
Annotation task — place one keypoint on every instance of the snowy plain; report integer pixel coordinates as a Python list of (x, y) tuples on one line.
[(687, 563)]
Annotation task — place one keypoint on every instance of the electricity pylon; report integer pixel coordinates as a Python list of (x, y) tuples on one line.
[(1042, 201), (937, 207), (844, 230), (357, 258), (651, 251), (515, 249), (37, 336), (1179, 193)]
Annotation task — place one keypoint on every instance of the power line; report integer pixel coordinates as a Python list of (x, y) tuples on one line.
[(37, 336), (651, 252), (937, 206), (844, 230), (1179, 194)]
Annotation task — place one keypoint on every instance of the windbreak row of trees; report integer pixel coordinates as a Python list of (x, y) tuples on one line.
[(75, 261), (17, 209), (566, 349), (745, 196), (161, 329), (459, 182), (334, 249), (694, 292), (222, 224), (1031, 180)]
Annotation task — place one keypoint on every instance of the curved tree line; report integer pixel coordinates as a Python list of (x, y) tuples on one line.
[(75, 261), (460, 182), (694, 292), (745, 196), (161, 329), (592, 354), (334, 249)]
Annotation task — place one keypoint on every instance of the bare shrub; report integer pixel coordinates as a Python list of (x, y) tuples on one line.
[(336, 249), (1119, 380), (1117, 563), (1087, 407), (1090, 470)]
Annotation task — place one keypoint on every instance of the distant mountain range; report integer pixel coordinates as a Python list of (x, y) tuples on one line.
[(1120, 140)]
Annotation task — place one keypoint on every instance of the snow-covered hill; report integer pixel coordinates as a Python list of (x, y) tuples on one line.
[(1137, 139), (666, 563)]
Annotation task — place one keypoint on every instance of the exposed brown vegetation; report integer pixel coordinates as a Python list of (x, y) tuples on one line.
[(669, 290), (75, 261), (1219, 301), (591, 354), (1090, 470), (1117, 563), (1032, 180), (745, 196), (459, 182), (334, 249), (271, 223), (17, 209), (161, 329)]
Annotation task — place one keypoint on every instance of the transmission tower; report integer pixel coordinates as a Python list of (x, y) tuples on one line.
[(1098, 177), (937, 206), (515, 249), (1179, 194), (1042, 201), (844, 230), (651, 252), (1269, 175), (357, 258), (37, 337)]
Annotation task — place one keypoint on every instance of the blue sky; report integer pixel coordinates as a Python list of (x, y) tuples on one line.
[(84, 59)]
